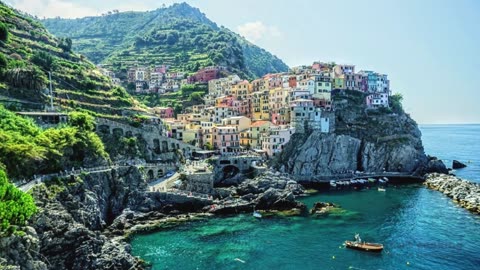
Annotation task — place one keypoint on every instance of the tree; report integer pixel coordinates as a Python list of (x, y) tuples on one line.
[(42, 59), (208, 146), (131, 86), (82, 121), (197, 97), (65, 44), (16, 207), (3, 32), (396, 102)]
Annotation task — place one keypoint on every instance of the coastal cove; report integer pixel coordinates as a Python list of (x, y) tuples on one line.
[(417, 226)]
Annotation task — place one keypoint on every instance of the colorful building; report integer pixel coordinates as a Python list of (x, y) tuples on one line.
[(164, 112), (252, 137), (274, 140), (226, 139)]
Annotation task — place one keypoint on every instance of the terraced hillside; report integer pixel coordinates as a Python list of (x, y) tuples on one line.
[(28, 52), (180, 36)]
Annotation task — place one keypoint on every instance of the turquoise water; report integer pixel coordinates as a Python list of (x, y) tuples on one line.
[(420, 228), (460, 142), (417, 226)]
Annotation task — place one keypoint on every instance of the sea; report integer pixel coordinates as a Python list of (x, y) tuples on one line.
[(420, 228)]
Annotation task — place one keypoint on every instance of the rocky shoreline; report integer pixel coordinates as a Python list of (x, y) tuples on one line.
[(85, 222), (463, 192)]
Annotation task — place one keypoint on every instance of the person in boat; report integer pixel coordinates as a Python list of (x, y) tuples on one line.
[(357, 238)]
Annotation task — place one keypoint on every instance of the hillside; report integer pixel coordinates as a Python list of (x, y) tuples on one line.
[(180, 36), (28, 51)]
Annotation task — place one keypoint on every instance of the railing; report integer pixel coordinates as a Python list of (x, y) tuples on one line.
[(41, 178)]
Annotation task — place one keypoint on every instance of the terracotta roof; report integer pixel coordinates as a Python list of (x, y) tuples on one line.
[(260, 123)]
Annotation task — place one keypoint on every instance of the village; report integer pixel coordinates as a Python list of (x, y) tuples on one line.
[(261, 115)]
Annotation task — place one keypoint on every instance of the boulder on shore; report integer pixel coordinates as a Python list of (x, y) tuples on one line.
[(322, 208), (435, 165), (458, 165)]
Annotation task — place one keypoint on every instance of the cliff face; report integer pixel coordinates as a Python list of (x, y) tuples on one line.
[(363, 140), (74, 214)]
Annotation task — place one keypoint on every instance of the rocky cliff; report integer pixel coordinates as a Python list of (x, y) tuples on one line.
[(74, 213), (82, 220), (363, 140), (69, 230)]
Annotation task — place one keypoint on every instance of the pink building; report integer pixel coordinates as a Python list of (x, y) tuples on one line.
[(205, 75), (164, 112), (226, 139)]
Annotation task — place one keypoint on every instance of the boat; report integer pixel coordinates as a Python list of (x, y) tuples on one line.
[(364, 246), (256, 214), (382, 189), (333, 183)]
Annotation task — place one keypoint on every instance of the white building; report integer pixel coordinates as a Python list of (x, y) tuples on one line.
[(377, 100), (276, 138)]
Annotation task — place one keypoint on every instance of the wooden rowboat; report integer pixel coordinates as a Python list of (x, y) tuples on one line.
[(372, 247)]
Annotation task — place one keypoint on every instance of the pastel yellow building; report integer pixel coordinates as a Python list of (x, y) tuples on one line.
[(252, 137), (239, 122)]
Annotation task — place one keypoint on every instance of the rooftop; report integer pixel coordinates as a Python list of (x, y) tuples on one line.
[(260, 123)]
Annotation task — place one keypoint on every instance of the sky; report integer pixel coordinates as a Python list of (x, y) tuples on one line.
[(428, 48)]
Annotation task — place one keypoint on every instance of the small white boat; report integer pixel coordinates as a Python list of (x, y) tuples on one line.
[(333, 183), (257, 214), (382, 189)]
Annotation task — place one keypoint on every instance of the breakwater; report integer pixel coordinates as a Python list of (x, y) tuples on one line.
[(465, 193)]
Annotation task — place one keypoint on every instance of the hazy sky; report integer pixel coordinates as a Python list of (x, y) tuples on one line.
[(430, 48)]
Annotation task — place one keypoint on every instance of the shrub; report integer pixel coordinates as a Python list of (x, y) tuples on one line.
[(42, 59), (3, 32), (396, 103), (3, 62), (82, 121), (16, 207), (65, 44)]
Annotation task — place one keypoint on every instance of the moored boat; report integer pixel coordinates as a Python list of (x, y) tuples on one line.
[(365, 246), (257, 214)]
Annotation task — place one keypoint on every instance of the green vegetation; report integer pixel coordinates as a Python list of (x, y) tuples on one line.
[(3, 32), (179, 36), (16, 207), (188, 95), (31, 52), (26, 149), (396, 103)]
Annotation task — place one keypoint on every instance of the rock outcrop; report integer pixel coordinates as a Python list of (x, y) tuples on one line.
[(363, 140), (270, 190), (322, 208), (21, 251), (465, 193), (458, 165), (74, 213)]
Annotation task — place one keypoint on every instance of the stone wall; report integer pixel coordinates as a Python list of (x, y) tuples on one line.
[(200, 182), (157, 144)]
